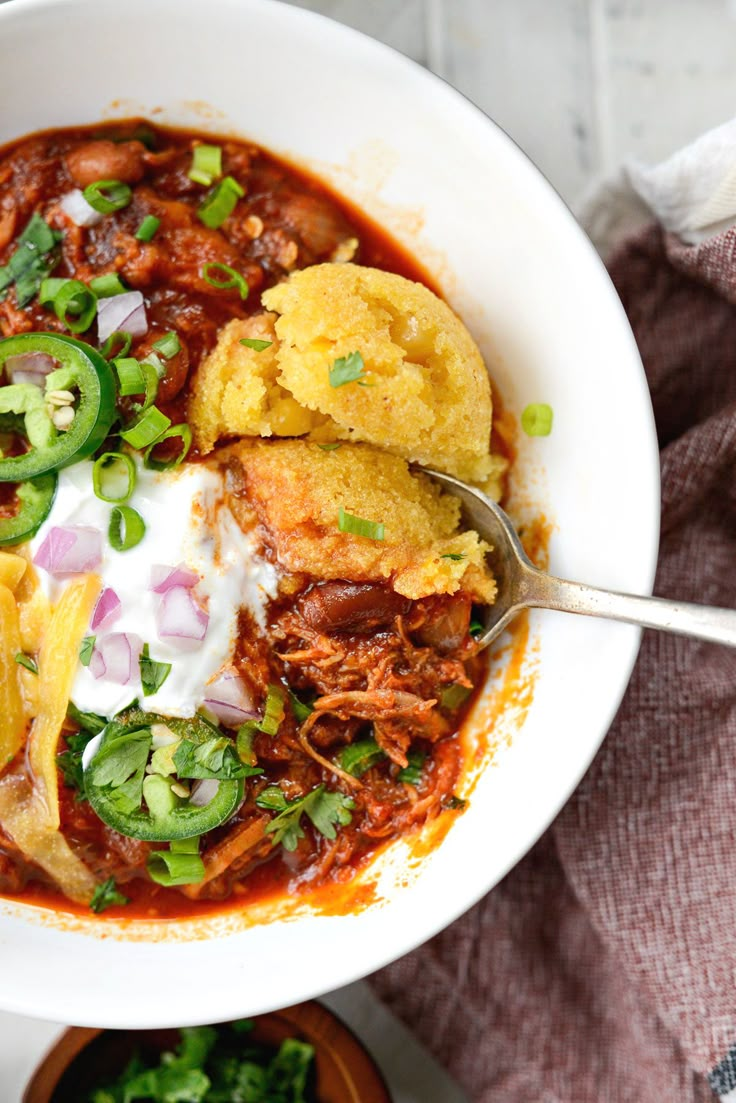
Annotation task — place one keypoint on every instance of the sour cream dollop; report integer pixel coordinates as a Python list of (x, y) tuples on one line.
[(187, 521)]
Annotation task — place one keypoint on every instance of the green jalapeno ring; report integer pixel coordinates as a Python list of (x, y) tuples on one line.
[(36, 497), (83, 368)]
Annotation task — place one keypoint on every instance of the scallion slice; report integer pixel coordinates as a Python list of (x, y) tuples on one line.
[(86, 648), (114, 477), (358, 526), (110, 351), (181, 865), (412, 774), (206, 164), (127, 528), (107, 196), (148, 227), (147, 429), (536, 419), (273, 713), (255, 344), (358, 757), (168, 345), (108, 285), (231, 281), (26, 661), (183, 431), (152, 382), (131, 379), (73, 303), (220, 203)]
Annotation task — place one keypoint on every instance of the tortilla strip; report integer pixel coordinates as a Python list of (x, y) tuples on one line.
[(238, 841), (12, 713), (57, 664), (12, 569), (26, 824)]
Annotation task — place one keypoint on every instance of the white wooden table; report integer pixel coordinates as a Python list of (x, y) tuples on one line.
[(579, 84)]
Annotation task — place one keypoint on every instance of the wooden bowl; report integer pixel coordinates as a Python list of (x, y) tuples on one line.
[(83, 1056)]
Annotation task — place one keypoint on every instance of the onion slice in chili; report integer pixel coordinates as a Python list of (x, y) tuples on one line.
[(76, 207), (180, 620), (70, 549), (229, 700), (125, 312)]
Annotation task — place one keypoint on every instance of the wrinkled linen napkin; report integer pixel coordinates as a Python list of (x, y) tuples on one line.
[(603, 968)]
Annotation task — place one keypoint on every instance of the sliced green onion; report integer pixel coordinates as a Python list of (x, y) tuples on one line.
[(457, 556), (108, 285), (244, 742), (255, 344), (147, 228), (182, 431), (153, 673), (73, 303), (453, 696), (106, 895), (232, 279), (358, 757), (131, 379), (127, 528), (114, 477), (300, 709), (152, 381), (476, 628), (147, 429), (347, 369), (536, 420), (172, 867), (374, 530), (27, 662), (168, 345), (109, 349), (107, 196), (206, 164), (330, 447), (220, 203), (412, 774), (274, 711), (86, 648)]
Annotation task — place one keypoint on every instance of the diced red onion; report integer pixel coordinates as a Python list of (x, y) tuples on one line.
[(180, 620), (165, 578), (76, 207), (107, 609), (229, 700), (125, 312), (115, 657), (204, 791), (30, 367), (70, 549)]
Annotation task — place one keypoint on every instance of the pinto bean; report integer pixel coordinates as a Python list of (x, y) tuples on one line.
[(447, 625), (106, 160), (358, 607)]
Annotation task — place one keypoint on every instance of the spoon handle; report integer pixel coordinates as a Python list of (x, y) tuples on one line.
[(705, 622)]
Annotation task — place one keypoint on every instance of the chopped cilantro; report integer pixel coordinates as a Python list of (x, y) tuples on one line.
[(153, 674), (255, 344), (476, 628), (86, 648), (32, 262), (106, 895), (412, 774), (325, 809), (347, 369), (70, 761), (358, 757), (215, 758), (453, 696), (453, 555)]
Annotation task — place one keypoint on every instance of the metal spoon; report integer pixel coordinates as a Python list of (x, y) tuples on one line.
[(521, 585)]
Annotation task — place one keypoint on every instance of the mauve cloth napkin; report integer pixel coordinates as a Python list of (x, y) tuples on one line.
[(603, 968)]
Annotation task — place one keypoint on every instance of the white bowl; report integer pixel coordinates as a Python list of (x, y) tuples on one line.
[(513, 262)]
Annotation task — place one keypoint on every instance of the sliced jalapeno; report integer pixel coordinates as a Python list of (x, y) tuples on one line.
[(81, 370), (35, 497), (150, 806)]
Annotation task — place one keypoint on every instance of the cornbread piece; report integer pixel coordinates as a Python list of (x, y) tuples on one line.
[(236, 393), (297, 490), (425, 394)]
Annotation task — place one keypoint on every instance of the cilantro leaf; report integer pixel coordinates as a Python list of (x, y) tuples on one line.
[(324, 808), (119, 766), (27, 662), (347, 369), (153, 674), (106, 895), (453, 555), (86, 648), (255, 344), (215, 758), (87, 721), (70, 761), (358, 757)]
